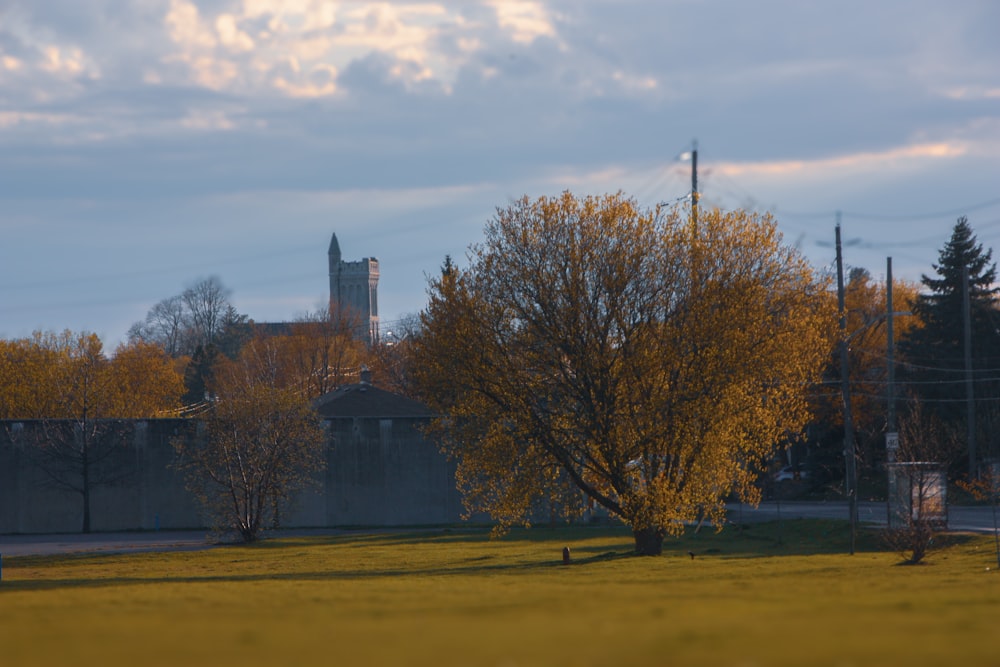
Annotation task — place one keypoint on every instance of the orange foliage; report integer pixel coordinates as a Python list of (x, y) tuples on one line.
[(60, 376)]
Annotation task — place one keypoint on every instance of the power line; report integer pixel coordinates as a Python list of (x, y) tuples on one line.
[(896, 217)]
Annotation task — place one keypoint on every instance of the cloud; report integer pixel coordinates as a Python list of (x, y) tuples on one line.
[(186, 28), (297, 48), (268, 47), (526, 21), (895, 158), (321, 83), (60, 62), (10, 119), (35, 66), (230, 35), (207, 120), (976, 92), (120, 118)]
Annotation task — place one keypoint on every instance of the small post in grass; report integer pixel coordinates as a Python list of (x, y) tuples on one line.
[(565, 555)]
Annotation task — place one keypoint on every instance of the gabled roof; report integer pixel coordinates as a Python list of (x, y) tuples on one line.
[(366, 400)]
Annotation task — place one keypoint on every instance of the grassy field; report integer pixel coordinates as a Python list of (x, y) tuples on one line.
[(771, 594)]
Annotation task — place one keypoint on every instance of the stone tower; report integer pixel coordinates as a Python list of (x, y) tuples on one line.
[(354, 291)]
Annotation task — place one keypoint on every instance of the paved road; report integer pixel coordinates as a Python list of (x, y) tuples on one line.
[(967, 519), (193, 540), (868, 512), (35, 545)]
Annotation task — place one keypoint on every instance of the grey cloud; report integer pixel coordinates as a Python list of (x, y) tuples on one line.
[(752, 81), (111, 28), (372, 75), (743, 80)]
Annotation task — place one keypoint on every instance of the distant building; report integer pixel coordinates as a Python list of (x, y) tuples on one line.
[(354, 291)]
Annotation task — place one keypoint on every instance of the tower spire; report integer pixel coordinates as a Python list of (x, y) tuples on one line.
[(334, 252)]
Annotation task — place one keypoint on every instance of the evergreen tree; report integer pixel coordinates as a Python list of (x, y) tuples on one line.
[(198, 374), (934, 352), (235, 332)]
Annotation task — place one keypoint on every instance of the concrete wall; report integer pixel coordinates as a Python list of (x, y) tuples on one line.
[(382, 472), (379, 473)]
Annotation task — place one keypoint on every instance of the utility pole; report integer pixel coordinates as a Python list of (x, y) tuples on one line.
[(845, 388), (970, 399), (694, 185), (891, 434)]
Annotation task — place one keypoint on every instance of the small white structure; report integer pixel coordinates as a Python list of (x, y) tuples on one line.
[(918, 492)]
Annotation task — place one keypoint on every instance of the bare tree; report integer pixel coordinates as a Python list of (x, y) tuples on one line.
[(198, 317), (262, 442), (81, 455), (168, 324), (207, 301), (78, 447), (917, 485)]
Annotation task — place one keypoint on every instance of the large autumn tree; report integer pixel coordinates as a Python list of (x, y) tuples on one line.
[(79, 399), (630, 355)]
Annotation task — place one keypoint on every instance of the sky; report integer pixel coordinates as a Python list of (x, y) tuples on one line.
[(148, 144)]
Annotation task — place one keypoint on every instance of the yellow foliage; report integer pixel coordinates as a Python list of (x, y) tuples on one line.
[(595, 346), (68, 376)]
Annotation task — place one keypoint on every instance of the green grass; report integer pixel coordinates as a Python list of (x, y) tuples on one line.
[(775, 594)]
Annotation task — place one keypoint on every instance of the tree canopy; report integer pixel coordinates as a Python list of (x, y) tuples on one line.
[(66, 375), (594, 347), (317, 354), (80, 396), (199, 317), (934, 351)]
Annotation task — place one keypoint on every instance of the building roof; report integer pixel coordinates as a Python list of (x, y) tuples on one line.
[(366, 400)]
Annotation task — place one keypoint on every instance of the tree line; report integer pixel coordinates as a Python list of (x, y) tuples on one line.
[(193, 356), (590, 352)]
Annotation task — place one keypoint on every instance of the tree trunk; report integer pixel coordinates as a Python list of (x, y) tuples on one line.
[(86, 508), (86, 490), (649, 541)]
